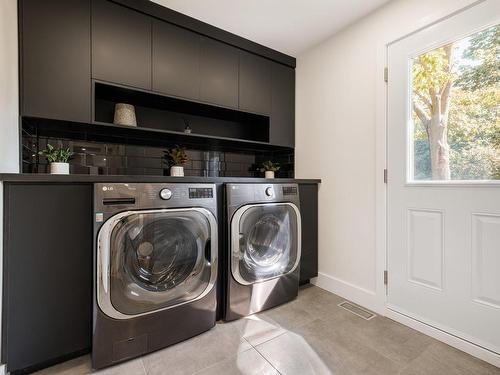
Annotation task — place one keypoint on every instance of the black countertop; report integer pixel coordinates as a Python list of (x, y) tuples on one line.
[(77, 178)]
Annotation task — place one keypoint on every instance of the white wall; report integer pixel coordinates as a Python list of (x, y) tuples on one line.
[(9, 108), (340, 138)]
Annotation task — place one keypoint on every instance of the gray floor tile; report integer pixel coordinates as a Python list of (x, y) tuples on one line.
[(222, 342), (354, 356), (249, 362), (77, 366), (317, 302), (82, 365), (132, 367), (441, 359), (258, 328), (310, 335), (291, 315), (292, 354), (391, 339)]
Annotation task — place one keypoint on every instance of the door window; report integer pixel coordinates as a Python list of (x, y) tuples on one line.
[(266, 242), (456, 110), (158, 260)]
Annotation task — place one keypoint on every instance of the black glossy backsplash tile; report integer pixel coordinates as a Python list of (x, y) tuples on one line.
[(97, 158)]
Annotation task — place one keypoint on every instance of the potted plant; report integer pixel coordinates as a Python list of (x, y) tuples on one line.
[(268, 167), (176, 158), (58, 159)]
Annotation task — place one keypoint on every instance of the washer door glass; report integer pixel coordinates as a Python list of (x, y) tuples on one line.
[(157, 259), (265, 242)]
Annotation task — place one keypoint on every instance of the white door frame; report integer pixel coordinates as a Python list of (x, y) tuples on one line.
[(381, 201)]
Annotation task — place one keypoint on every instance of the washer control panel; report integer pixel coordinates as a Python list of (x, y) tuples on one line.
[(112, 197)]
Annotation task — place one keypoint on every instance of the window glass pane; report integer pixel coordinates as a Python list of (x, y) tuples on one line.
[(455, 110)]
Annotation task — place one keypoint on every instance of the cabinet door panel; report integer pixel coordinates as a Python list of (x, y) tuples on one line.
[(176, 61), (55, 59), (121, 45), (255, 83), (283, 106), (47, 273), (309, 213), (219, 73)]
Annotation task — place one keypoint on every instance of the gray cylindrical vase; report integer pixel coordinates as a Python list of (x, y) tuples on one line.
[(124, 115)]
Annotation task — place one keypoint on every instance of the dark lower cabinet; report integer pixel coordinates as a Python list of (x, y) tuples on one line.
[(121, 45), (55, 59), (309, 212), (47, 277), (255, 83), (219, 66), (283, 106)]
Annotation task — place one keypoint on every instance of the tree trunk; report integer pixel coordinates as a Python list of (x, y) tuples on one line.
[(438, 127), (439, 148)]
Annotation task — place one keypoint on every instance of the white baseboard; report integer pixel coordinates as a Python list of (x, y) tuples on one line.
[(447, 338), (363, 297)]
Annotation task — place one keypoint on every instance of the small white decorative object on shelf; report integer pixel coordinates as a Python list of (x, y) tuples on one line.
[(177, 171), (125, 115), (59, 168), (269, 174)]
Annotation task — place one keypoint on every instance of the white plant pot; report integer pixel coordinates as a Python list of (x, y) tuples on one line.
[(269, 174), (59, 168), (177, 171)]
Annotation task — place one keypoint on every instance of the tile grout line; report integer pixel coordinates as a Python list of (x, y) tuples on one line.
[(272, 338), (222, 360), (143, 366), (265, 359)]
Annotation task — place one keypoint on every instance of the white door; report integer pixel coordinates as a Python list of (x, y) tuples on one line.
[(443, 175)]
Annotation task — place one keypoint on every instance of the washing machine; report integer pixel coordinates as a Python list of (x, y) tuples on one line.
[(155, 261), (262, 252)]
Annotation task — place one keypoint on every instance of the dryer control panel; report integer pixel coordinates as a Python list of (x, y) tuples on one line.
[(240, 194)]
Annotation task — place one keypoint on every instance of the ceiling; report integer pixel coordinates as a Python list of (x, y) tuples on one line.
[(289, 26)]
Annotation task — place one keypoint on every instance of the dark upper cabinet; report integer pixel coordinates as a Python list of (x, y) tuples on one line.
[(219, 73), (121, 45), (55, 59), (309, 213), (47, 277), (282, 130), (176, 61), (255, 83)]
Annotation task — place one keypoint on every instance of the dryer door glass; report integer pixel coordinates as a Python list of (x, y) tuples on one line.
[(265, 242), (159, 259)]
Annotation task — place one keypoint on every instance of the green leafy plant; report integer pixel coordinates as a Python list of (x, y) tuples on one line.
[(270, 166), (56, 155), (176, 156)]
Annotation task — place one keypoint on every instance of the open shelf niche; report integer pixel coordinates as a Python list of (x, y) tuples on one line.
[(159, 112)]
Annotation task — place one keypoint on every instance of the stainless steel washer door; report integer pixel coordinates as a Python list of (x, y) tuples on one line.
[(156, 259), (265, 241)]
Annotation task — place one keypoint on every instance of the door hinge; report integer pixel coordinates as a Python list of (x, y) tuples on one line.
[(385, 277), (386, 74), (385, 176)]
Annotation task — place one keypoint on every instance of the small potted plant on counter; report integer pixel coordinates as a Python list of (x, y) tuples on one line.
[(269, 168), (58, 159), (176, 158)]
